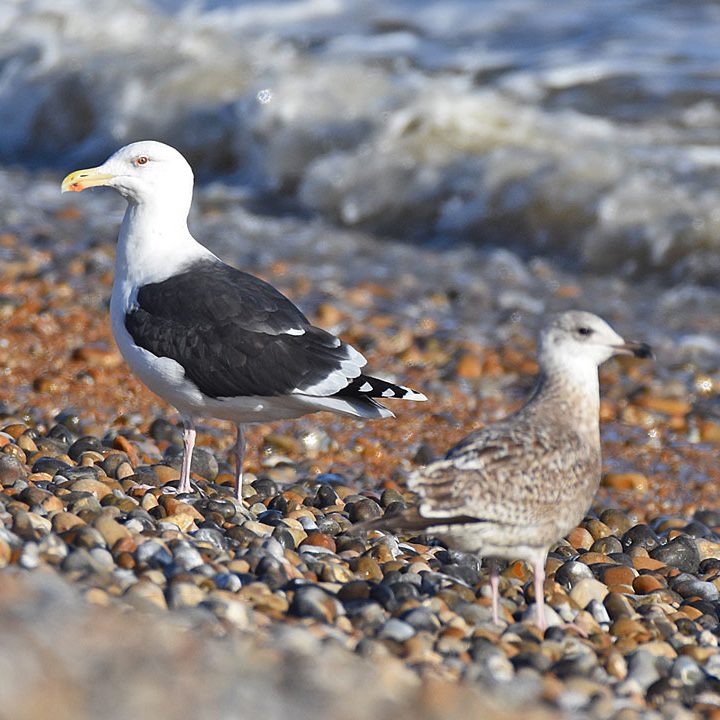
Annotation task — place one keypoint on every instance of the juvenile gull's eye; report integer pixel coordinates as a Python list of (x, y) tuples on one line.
[(585, 331), (142, 160)]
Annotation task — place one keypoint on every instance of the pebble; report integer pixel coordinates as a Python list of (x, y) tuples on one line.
[(681, 553), (586, 590)]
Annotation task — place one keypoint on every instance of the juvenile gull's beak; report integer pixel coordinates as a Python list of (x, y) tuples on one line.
[(637, 349), (83, 179)]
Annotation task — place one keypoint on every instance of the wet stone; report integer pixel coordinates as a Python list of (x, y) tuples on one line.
[(365, 509), (571, 572), (692, 587), (325, 496), (284, 537), (49, 465), (62, 434), (82, 444), (47, 445), (640, 536), (697, 530), (681, 553)]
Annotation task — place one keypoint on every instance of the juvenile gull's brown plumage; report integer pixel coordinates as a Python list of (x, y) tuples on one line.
[(512, 489)]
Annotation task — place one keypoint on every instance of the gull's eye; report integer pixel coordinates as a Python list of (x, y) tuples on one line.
[(586, 331), (142, 160)]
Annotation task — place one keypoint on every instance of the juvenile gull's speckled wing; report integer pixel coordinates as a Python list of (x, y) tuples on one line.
[(510, 474)]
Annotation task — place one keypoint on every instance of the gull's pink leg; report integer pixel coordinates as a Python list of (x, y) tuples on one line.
[(539, 574), (495, 588), (239, 457), (188, 445)]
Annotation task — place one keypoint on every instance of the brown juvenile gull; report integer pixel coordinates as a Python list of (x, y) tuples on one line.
[(514, 488), (206, 337)]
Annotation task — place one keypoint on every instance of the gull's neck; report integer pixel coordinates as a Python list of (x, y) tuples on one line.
[(569, 389), (154, 243)]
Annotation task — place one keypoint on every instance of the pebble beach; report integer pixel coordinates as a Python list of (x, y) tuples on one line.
[(429, 183), (266, 587)]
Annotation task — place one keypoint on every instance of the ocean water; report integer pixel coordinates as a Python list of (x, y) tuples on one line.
[(564, 142)]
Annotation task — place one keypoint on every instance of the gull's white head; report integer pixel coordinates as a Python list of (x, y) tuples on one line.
[(142, 172), (577, 337)]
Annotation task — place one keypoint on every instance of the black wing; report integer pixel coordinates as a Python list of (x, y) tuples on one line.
[(236, 335)]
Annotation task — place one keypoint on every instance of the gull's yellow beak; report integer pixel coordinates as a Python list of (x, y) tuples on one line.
[(83, 179)]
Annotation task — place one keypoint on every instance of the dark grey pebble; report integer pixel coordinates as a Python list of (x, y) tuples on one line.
[(698, 530), (363, 509), (70, 418), (424, 455), (49, 465), (689, 587), (571, 572), (84, 444), (62, 434), (328, 525), (404, 591), (270, 517), (265, 487), (709, 566), (309, 601), (279, 503), (51, 446), (284, 537), (390, 497), (640, 536), (681, 553), (162, 430), (325, 496), (112, 462), (384, 595)]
